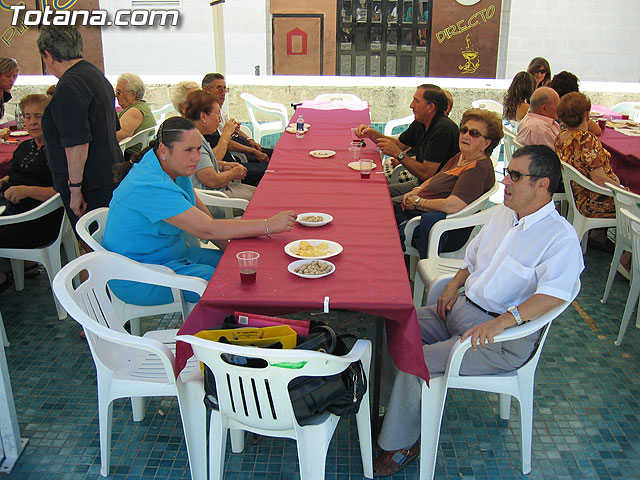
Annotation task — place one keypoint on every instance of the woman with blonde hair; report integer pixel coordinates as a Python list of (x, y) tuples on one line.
[(8, 74)]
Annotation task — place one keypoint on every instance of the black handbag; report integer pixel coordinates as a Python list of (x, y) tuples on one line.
[(340, 394)]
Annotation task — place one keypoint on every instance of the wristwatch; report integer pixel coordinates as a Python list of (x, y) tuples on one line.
[(415, 204), (401, 156), (516, 314), (74, 184)]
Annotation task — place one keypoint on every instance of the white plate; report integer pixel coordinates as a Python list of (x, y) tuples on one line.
[(334, 248), (293, 129), (356, 165), (294, 125), (297, 263), (322, 153), (19, 133), (326, 218)]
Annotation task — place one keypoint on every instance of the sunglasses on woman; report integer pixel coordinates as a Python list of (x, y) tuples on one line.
[(516, 175), (543, 71), (472, 132)]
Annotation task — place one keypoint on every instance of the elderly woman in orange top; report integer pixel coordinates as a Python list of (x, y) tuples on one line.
[(581, 149), (464, 178)]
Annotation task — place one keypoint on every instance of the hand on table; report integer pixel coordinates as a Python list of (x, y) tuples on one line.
[(447, 300), (281, 222), (484, 333)]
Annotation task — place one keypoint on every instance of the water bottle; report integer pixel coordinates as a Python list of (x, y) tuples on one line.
[(300, 127)]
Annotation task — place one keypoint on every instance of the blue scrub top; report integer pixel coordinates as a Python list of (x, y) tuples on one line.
[(143, 200)]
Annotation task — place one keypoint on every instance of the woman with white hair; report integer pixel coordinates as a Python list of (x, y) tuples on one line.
[(180, 92), (135, 115)]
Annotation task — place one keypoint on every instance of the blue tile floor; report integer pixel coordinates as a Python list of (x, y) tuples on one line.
[(586, 420)]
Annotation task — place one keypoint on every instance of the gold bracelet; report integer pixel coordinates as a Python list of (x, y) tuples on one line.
[(266, 227)]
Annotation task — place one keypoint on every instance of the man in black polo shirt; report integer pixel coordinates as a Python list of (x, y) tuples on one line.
[(79, 124), (429, 142)]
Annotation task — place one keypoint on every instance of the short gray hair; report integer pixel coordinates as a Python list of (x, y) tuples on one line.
[(134, 84), (209, 78), (179, 94), (62, 42)]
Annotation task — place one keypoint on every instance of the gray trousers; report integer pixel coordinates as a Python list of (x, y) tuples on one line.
[(397, 190), (401, 426)]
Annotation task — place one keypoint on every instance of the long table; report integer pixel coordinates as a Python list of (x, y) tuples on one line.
[(625, 157), (370, 275)]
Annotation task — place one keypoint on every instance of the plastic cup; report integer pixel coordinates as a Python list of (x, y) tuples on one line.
[(602, 123), (354, 152), (625, 117), (365, 168), (354, 137), (248, 265)]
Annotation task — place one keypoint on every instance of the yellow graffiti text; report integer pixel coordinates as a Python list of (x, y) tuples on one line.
[(485, 14)]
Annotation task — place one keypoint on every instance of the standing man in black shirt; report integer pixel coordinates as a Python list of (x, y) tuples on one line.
[(79, 124), (426, 145)]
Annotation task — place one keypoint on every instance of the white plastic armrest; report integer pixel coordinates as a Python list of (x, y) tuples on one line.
[(409, 230)]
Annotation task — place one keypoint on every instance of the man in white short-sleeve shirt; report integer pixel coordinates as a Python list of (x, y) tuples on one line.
[(524, 262)]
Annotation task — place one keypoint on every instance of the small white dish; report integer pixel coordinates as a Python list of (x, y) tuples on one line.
[(19, 133), (326, 218), (333, 250), (294, 125), (294, 130), (293, 265), (356, 165), (322, 153)]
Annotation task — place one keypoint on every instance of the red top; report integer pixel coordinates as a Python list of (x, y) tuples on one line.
[(370, 275)]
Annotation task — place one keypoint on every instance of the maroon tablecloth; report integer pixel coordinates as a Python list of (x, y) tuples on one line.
[(6, 155), (370, 275), (625, 157)]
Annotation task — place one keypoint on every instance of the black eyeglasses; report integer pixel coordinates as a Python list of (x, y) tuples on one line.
[(222, 89), (472, 132), (516, 175)]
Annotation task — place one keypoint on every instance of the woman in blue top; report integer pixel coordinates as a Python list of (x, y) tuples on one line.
[(154, 207)]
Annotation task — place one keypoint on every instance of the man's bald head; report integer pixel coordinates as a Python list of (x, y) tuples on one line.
[(544, 101)]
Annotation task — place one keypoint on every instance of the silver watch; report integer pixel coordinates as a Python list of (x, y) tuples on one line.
[(401, 156), (516, 314)]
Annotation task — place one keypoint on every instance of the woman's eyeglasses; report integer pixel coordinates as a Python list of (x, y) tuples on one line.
[(516, 175), (472, 132)]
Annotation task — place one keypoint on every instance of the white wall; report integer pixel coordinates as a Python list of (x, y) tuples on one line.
[(245, 33), (594, 39)]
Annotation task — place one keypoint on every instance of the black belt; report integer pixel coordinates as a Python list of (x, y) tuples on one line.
[(493, 314)]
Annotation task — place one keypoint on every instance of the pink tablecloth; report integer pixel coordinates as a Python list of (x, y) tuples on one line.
[(601, 109), (370, 275), (625, 157)]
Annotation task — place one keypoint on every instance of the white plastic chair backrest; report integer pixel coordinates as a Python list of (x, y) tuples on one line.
[(635, 237), (215, 198), (542, 322), (626, 107), (98, 219), (161, 113), (487, 104), (246, 130), (269, 108), (391, 124), (45, 208), (142, 138), (510, 146), (331, 97), (447, 224), (90, 305), (571, 174), (629, 201), (258, 397)]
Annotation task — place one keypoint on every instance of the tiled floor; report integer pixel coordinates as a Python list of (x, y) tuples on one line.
[(586, 422)]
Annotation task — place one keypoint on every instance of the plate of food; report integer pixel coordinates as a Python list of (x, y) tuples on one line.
[(312, 249), (311, 268), (356, 165), (322, 153), (19, 133), (314, 219), (293, 129)]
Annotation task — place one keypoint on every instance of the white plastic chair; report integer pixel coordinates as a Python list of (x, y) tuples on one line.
[(48, 255), (332, 97), (97, 219), (477, 205), (624, 242), (3, 333), (435, 271), (142, 138), (391, 124), (161, 113), (518, 384), (215, 198), (257, 400), (254, 104), (626, 108), (127, 365), (487, 104), (581, 223), (510, 146), (633, 221)]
